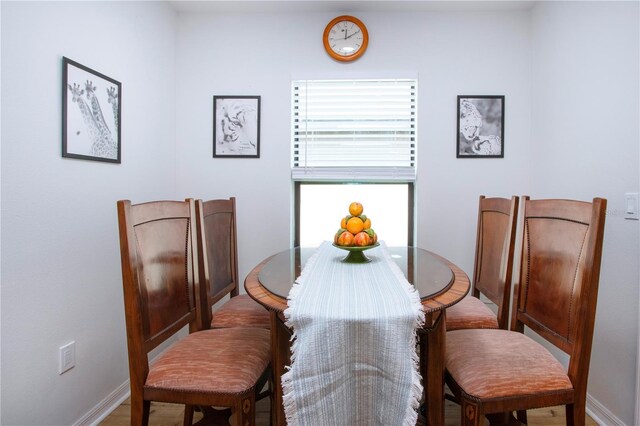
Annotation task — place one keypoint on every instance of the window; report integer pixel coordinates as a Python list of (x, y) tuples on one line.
[(353, 140), (323, 205)]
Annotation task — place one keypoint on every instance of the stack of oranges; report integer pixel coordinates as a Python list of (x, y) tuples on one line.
[(355, 229)]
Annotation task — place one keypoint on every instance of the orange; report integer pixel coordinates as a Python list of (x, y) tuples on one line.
[(355, 225), (367, 223), (355, 208), (343, 222)]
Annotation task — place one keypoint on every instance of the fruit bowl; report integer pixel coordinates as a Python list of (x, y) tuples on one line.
[(356, 253)]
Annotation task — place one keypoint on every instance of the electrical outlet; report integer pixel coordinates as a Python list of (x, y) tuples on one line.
[(66, 357)]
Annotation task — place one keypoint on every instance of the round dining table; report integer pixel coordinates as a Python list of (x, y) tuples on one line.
[(439, 282)]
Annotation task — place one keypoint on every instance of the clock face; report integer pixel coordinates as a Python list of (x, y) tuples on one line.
[(345, 38)]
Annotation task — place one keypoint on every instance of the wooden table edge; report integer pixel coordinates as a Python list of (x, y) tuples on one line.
[(272, 302)]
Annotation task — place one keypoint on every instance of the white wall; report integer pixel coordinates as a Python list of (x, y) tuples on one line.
[(585, 132), (260, 53), (459, 59), (61, 276), (60, 264)]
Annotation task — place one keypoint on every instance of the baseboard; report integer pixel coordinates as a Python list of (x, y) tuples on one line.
[(601, 414), (106, 406)]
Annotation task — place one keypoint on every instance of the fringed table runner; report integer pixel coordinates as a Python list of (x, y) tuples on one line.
[(353, 357)]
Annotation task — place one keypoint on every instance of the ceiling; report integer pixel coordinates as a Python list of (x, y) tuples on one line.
[(351, 6)]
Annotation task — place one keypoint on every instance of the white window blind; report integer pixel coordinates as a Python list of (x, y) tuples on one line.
[(354, 130)]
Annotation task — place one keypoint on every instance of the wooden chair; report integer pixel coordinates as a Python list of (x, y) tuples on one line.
[(495, 242), (218, 268), (223, 367), (499, 371)]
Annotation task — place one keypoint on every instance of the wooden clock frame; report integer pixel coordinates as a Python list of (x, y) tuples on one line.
[(365, 38)]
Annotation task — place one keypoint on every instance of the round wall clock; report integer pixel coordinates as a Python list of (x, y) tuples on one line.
[(345, 38)]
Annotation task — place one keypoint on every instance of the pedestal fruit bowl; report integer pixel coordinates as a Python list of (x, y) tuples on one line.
[(355, 235)]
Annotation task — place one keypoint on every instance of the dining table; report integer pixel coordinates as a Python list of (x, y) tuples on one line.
[(439, 282)]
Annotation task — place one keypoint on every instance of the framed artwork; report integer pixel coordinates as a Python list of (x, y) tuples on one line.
[(480, 127), (91, 114), (236, 126)]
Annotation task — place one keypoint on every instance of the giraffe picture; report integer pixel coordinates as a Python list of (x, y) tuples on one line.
[(91, 112), (236, 126)]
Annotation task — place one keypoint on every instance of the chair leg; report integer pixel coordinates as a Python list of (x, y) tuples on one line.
[(575, 414), (272, 402), (244, 411), (471, 414), (139, 411), (522, 416), (188, 415)]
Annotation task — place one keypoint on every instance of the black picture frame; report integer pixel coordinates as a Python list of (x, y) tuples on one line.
[(236, 126), (480, 130), (91, 114)]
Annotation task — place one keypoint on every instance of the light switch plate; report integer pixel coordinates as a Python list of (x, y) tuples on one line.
[(631, 205)]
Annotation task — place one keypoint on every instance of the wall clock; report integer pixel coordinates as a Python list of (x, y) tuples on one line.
[(345, 38)]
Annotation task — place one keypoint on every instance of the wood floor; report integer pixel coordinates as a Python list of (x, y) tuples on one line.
[(171, 414)]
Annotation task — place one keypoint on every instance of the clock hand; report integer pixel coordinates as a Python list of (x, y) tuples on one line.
[(352, 34)]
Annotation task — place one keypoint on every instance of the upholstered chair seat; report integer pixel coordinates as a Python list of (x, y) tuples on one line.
[(470, 312), (220, 361), (218, 268), (499, 364), (240, 311)]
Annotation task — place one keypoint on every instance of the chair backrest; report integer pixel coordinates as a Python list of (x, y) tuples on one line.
[(495, 243), (559, 275), (157, 249), (217, 252)]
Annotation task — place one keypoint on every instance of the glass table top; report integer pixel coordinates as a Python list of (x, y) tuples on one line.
[(430, 275)]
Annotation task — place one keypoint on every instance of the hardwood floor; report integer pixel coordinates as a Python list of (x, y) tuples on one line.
[(170, 414)]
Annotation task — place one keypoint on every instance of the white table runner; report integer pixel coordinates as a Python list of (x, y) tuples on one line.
[(354, 359)]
